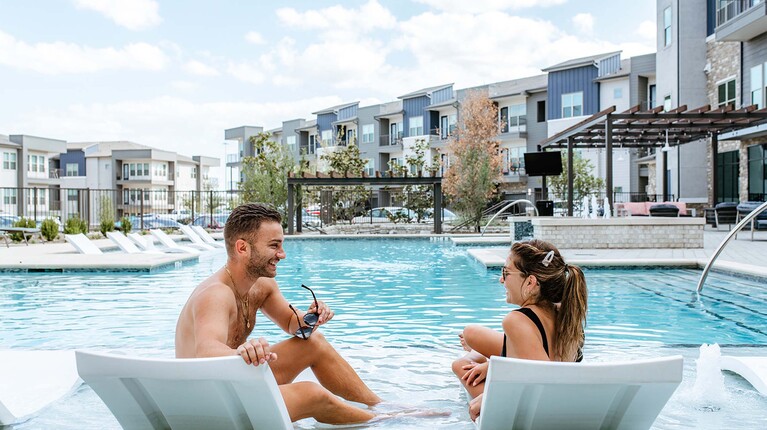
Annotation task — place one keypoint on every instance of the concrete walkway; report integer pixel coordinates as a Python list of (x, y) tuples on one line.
[(741, 255)]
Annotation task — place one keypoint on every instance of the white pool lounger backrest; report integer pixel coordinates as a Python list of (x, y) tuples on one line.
[(530, 394), (201, 393)]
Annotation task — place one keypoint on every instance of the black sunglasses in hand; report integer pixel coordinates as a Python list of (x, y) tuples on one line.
[(310, 319)]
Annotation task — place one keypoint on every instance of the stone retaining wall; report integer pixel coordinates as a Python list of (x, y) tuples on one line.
[(625, 233)]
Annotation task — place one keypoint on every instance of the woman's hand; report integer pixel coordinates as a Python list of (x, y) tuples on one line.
[(475, 373), (474, 406)]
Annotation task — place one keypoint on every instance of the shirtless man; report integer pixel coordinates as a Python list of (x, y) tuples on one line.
[(221, 313)]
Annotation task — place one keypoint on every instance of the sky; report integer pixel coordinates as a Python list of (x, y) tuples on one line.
[(174, 74)]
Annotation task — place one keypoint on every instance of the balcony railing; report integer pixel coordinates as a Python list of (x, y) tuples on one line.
[(55, 173), (729, 9), (390, 140)]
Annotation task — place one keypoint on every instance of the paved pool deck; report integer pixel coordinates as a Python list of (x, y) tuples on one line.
[(741, 255)]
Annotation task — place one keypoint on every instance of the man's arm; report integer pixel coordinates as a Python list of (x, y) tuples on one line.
[(275, 307), (211, 312)]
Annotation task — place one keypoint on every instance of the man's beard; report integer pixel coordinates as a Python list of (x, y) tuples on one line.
[(255, 270)]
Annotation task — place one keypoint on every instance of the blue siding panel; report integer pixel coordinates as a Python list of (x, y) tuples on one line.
[(325, 121), (347, 112), (415, 107), (442, 95), (609, 65), (573, 81), (73, 156)]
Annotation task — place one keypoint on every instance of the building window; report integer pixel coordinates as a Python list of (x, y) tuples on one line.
[(757, 85), (727, 93), (572, 105), (503, 119), (327, 137), (542, 111), (9, 160), (653, 96), (416, 126), (312, 143), (72, 195), (291, 140), (667, 26), (73, 169), (443, 127), (396, 133), (518, 118), (368, 133), (516, 160), (370, 167), (351, 136), (193, 173), (667, 103), (160, 170), (618, 93), (9, 197)]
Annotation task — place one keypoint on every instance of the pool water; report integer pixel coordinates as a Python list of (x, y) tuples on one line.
[(399, 304)]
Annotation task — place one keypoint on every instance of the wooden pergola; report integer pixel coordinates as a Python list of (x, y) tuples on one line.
[(332, 179), (636, 128)]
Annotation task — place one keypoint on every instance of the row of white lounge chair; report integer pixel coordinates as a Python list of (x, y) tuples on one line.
[(135, 243), (224, 392)]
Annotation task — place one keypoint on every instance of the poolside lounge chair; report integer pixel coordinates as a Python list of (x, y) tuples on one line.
[(31, 380), (126, 245), (167, 242), (529, 394), (146, 243), (752, 369), (195, 238), (82, 244), (200, 393), (206, 236)]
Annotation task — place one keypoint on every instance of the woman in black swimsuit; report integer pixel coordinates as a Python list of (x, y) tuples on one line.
[(549, 324)]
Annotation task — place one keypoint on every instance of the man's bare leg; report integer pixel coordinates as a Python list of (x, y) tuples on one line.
[(331, 370), (307, 399)]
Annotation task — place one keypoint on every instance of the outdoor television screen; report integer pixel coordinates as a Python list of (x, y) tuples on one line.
[(543, 163)]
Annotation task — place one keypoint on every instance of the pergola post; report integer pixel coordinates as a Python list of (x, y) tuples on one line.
[(570, 175), (714, 174), (291, 190), (609, 158)]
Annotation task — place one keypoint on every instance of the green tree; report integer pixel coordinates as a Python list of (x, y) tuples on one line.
[(584, 182), (265, 175), (347, 200), (476, 162)]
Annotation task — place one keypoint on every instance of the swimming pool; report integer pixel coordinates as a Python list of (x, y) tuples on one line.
[(399, 304)]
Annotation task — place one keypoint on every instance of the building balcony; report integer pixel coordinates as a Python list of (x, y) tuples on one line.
[(390, 140), (740, 20)]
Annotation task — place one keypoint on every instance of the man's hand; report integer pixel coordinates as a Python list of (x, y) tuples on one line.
[(325, 313), (256, 352), (474, 406), (475, 373)]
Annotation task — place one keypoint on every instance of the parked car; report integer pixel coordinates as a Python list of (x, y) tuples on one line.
[(309, 219), (448, 216), (385, 214), (8, 220), (208, 221), (150, 221)]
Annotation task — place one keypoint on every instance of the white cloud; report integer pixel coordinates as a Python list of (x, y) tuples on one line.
[(131, 14), (481, 6), (371, 16), (184, 86), (247, 72), (62, 57), (647, 30), (201, 69), (255, 38), (584, 22)]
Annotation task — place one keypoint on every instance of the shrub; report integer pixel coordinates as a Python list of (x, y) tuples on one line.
[(75, 225), (49, 229), (126, 225), (106, 216), (24, 223), (106, 225)]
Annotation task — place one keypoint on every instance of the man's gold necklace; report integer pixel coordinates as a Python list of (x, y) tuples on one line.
[(243, 302)]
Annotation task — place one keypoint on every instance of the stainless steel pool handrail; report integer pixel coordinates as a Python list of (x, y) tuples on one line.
[(726, 240), (506, 207)]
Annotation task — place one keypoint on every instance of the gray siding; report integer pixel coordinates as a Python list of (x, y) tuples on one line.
[(442, 95), (572, 81), (642, 67), (536, 131), (365, 116), (754, 53), (413, 108), (73, 156), (289, 129)]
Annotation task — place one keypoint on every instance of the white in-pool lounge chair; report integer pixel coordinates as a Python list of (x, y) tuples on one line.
[(752, 369), (194, 238), (200, 393), (31, 380), (204, 235), (167, 242), (146, 243), (82, 244), (530, 394), (126, 245)]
